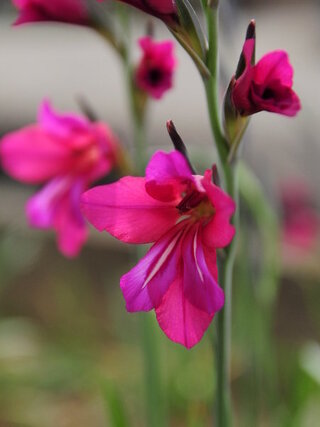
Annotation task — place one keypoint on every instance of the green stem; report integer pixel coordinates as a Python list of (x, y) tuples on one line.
[(153, 385), (155, 414), (223, 325), (212, 86), (223, 320), (138, 123)]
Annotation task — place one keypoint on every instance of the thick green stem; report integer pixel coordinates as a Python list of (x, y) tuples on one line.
[(223, 411)]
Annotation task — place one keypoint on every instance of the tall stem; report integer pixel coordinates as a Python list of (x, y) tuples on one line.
[(155, 414), (223, 410)]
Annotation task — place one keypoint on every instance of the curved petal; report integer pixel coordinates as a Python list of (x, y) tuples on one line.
[(57, 206), (283, 100), (180, 320), (200, 285), (60, 125), (69, 224), (29, 15), (41, 207), (31, 155), (72, 11), (240, 93), (274, 66), (144, 286), (218, 233), (126, 211), (167, 175), (165, 6)]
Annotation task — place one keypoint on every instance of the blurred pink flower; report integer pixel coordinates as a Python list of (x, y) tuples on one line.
[(163, 9), (155, 71), (301, 222), (68, 153), (71, 11), (187, 218), (266, 85)]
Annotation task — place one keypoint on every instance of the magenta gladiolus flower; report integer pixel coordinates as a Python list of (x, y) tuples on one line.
[(68, 153), (71, 11), (186, 217), (154, 74), (266, 85)]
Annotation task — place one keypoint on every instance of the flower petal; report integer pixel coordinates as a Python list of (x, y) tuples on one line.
[(57, 206), (274, 66), (165, 6), (240, 93), (31, 155), (60, 125), (200, 285), (69, 223), (180, 320), (144, 286), (126, 211), (167, 175), (41, 208), (218, 233), (73, 11)]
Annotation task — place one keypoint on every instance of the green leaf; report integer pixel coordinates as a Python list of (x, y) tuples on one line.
[(114, 405)]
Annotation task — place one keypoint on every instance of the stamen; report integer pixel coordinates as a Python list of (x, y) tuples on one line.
[(190, 201)]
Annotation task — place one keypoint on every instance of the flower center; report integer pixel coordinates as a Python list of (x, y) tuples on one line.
[(155, 76), (268, 93), (86, 159), (196, 205)]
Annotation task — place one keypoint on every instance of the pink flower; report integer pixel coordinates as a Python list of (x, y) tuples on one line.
[(301, 222), (68, 153), (163, 9), (186, 217), (71, 11), (154, 74), (266, 85)]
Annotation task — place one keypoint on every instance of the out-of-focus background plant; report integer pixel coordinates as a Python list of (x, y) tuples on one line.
[(69, 353)]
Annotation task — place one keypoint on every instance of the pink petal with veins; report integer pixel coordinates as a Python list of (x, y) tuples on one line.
[(143, 287), (180, 320), (126, 211)]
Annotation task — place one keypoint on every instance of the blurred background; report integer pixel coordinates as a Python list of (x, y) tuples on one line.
[(70, 355)]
